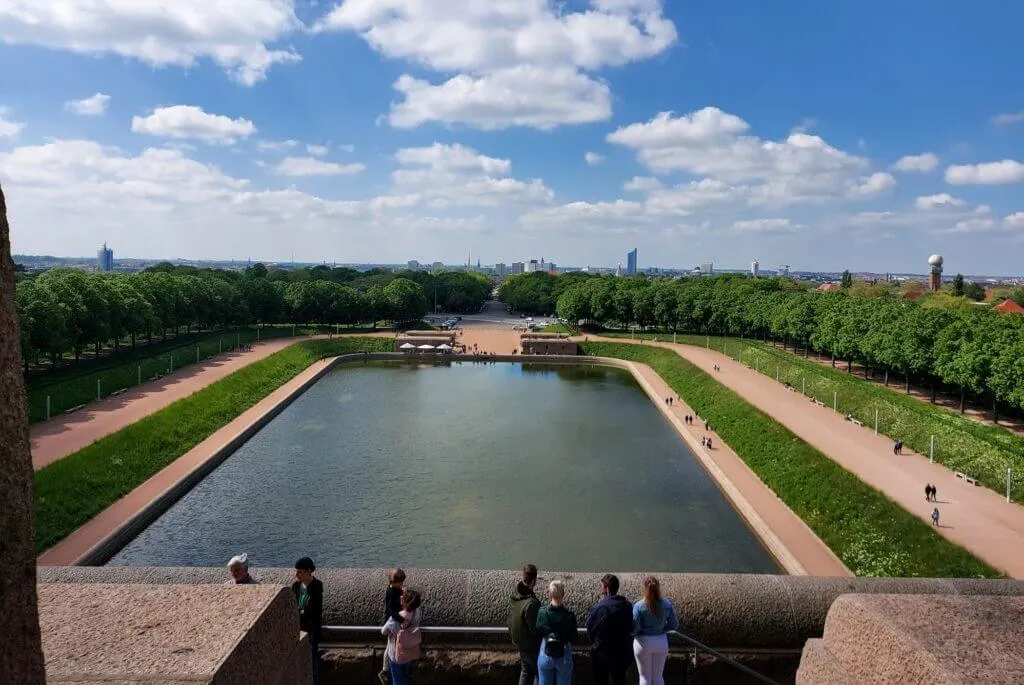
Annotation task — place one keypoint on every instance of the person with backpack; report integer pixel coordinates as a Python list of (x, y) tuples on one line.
[(404, 638), (653, 617), (557, 628), (522, 624)]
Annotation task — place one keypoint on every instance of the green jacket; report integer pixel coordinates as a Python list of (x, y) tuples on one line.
[(557, 620), (522, 619)]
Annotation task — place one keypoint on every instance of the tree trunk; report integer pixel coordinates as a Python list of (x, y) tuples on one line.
[(21, 653), (96, 351), (935, 391), (963, 400), (133, 340), (887, 377), (833, 360), (849, 365), (995, 411), (906, 380)]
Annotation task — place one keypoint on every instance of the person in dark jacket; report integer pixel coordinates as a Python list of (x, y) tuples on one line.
[(522, 624), (557, 628), (610, 629), (392, 610), (309, 594)]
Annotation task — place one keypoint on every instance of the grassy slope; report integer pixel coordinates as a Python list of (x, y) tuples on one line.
[(872, 535), (71, 491), (980, 450)]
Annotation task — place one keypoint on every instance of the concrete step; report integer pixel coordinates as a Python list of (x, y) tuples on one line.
[(817, 665)]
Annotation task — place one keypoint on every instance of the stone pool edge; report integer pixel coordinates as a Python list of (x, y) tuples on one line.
[(99, 539)]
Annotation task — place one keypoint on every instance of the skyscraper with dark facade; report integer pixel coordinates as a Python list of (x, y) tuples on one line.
[(631, 263), (104, 259)]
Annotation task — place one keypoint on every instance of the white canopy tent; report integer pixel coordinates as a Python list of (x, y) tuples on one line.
[(407, 346), (425, 347), (444, 347)]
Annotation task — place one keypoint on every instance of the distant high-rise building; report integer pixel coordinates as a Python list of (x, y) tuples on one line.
[(518, 268), (551, 266), (500, 269), (477, 263), (618, 269), (437, 266), (413, 265), (532, 266), (754, 268), (784, 270), (631, 263), (105, 259), (935, 273), (707, 268)]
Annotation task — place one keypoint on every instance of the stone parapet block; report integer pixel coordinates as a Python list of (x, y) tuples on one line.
[(920, 640), (164, 634)]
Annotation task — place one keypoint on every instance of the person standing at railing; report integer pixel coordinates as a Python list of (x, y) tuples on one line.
[(653, 617), (309, 594), (557, 628), (522, 625), (610, 629), (404, 638)]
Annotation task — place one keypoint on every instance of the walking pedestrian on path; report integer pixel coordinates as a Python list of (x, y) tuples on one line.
[(935, 516)]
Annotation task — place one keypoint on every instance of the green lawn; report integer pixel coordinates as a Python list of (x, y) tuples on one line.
[(76, 385), (982, 451), (71, 491), (872, 535)]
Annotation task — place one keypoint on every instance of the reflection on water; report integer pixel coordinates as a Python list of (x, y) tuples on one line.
[(461, 466)]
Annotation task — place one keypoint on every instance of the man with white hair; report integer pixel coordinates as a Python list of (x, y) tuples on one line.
[(239, 569)]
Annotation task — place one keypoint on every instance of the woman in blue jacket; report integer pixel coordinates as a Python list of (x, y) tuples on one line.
[(653, 617)]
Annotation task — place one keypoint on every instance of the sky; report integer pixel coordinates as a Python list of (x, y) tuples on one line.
[(851, 134)]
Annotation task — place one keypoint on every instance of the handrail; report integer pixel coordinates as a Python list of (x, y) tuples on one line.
[(493, 630)]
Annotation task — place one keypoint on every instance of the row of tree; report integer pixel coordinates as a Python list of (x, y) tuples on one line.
[(66, 310), (939, 339)]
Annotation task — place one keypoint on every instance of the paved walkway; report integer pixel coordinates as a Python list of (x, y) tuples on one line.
[(797, 548), (974, 517), (70, 549), (66, 434)]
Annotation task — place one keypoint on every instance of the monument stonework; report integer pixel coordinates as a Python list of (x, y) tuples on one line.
[(21, 656)]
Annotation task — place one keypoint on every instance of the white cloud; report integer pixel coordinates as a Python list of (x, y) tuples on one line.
[(642, 184), (236, 34), (459, 176), (8, 128), (973, 226), (185, 122), (317, 150), (766, 226), (989, 173), (876, 183), (452, 157), (618, 216), (276, 145), (517, 96), (1015, 220), (942, 200), (923, 163), (509, 57), (310, 166), (687, 198), (593, 159), (1008, 118), (93, 106)]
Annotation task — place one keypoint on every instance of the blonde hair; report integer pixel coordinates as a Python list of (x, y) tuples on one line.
[(556, 589)]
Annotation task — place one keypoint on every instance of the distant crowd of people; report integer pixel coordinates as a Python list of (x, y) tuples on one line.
[(620, 632)]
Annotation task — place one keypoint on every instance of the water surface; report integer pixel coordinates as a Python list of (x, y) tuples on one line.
[(465, 466)]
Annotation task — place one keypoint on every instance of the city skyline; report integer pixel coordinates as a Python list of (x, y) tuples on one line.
[(182, 141)]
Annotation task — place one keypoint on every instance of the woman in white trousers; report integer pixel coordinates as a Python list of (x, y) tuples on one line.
[(653, 617)]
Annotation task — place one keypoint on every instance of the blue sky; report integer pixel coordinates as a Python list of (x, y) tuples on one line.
[(861, 135)]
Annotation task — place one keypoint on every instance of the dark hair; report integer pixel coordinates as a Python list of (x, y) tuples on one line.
[(610, 581), (396, 575), (411, 599), (529, 574), (305, 564), (652, 594)]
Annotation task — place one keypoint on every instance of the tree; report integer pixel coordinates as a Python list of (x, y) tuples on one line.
[(847, 280), (406, 300), (958, 285), (974, 291), (21, 653)]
